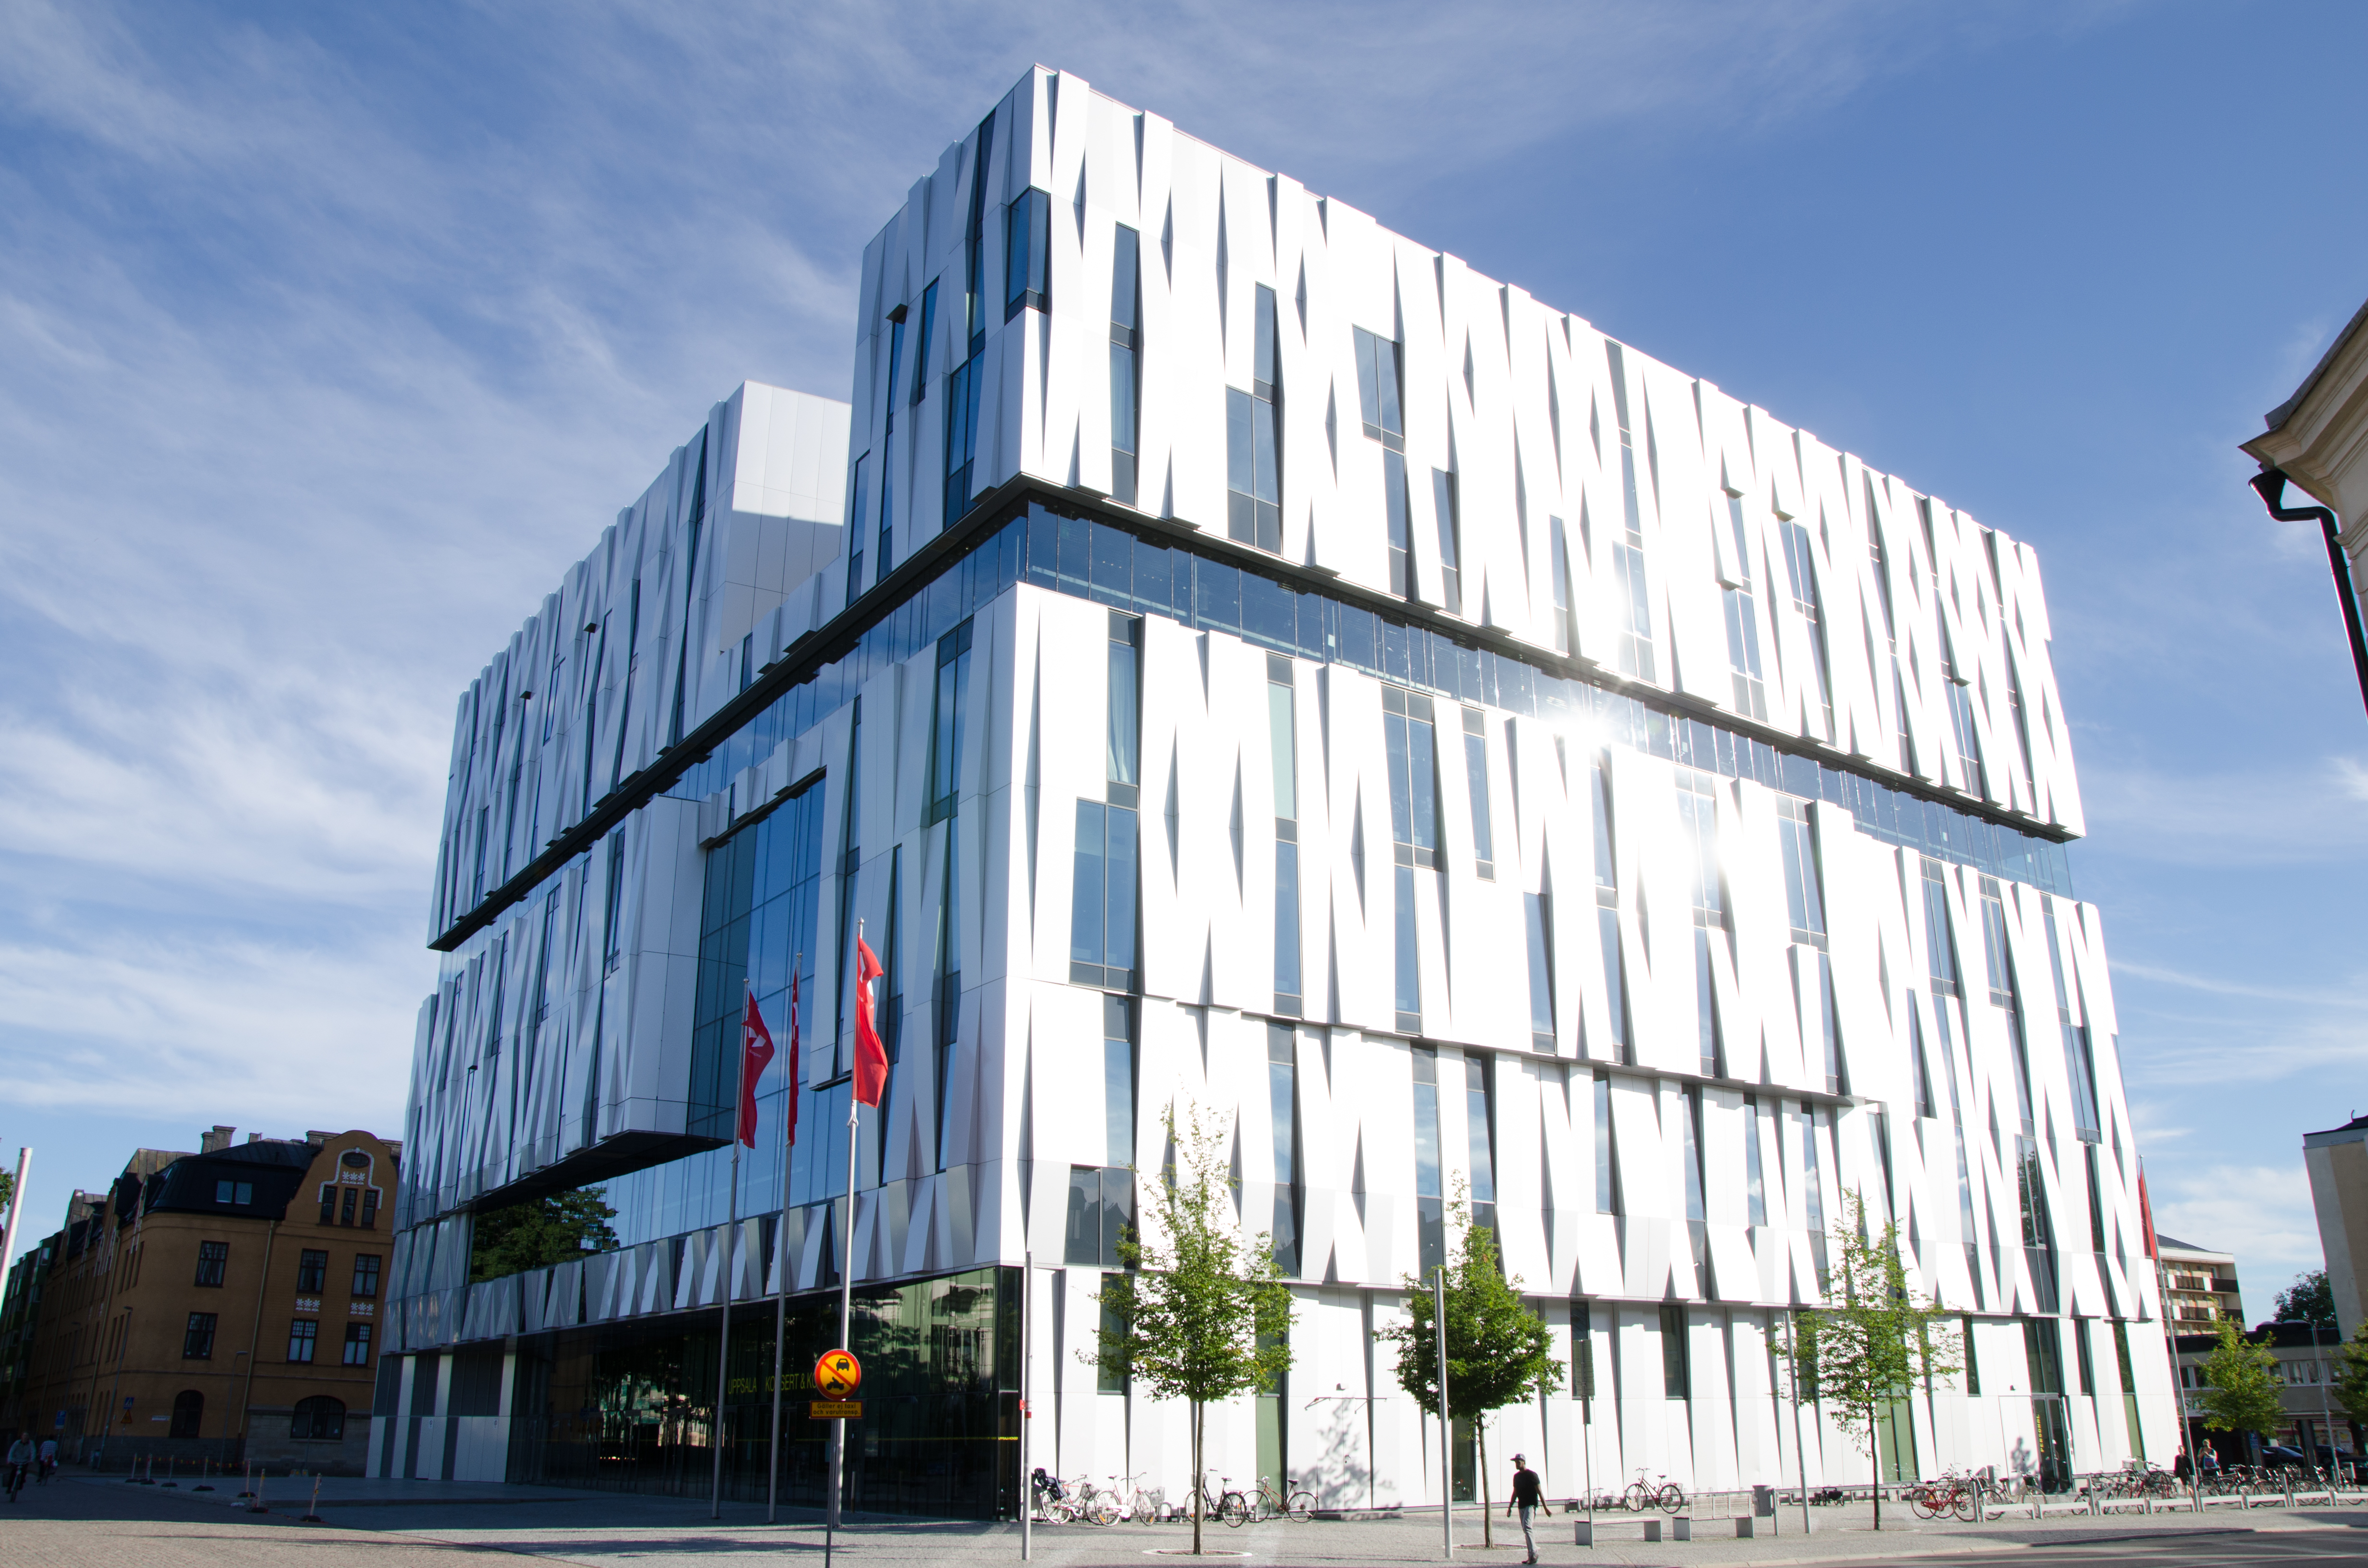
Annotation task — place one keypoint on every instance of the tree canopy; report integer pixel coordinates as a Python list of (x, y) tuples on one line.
[(2307, 1299), (2240, 1391), (1499, 1351), (540, 1231), (1201, 1313), (1878, 1341)]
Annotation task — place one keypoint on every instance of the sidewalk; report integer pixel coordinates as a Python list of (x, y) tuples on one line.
[(606, 1529)]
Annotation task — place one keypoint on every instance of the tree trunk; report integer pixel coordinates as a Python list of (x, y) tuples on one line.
[(1487, 1524), (1200, 1493), (1875, 1452)]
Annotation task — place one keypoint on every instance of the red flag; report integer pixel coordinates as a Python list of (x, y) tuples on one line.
[(870, 1056), (755, 1051), (790, 1104), (2145, 1217)]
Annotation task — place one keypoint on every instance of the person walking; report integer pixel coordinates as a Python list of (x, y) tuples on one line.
[(49, 1461), (1526, 1497), (20, 1460)]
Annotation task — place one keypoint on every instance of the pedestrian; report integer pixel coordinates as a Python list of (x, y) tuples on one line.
[(2209, 1460), (48, 1459), (1526, 1497), (20, 1459)]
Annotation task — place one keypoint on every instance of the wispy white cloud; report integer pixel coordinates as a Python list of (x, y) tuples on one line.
[(2200, 816), (2261, 1214)]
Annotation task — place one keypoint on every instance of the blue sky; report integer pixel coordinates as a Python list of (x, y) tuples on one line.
[(328, 338)]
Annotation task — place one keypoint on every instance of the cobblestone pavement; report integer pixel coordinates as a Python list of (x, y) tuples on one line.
[(104, 1523)]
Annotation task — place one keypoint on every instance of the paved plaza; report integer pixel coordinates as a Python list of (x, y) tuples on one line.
[(75, 1522)]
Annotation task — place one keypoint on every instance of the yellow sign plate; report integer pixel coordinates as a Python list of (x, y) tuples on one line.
[(835, 1410)]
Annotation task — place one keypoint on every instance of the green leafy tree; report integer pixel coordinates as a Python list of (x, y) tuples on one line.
[(2307, 1299), (2240, 1391), (540, 1231), (1496, 1348), (1878, 1341), (1201, 1313), (2351, 1375)]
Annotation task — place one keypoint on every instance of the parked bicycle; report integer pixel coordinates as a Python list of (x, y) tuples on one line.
[(1951, 1494), (1050, 1499), (1661, 1492), (1267, 1502)]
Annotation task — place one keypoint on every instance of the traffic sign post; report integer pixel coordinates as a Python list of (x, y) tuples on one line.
[(837, 1375)]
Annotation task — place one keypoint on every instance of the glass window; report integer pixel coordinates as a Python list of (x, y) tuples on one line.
[(1800, 566), (948, 722), (239, 1193), (921, 342), (303, 1335), (1430, 1191), (859, 501), (1582, 1352), (1408, 955), (1401, 527), (1450, 532), (1126, 346), (1691, 1117), (1599, 785), (1029, 234), (213, 1262), (357, 1345), (1563, 638), (1538, 909), (1118, 1078), (1476, 769), (962, 436), (1743, 655), (1796, 845), (1102, 911), (198, 1337), (1607, 1167), (1755, 1186), (1710, 1049), (1378, 388), (1939, 942), (318, 1419), (1101, 1209), (189, 1413), (1677, 1365), (1479, 1127), (1414, 780), (1282, 1101), (1282, 747), (1615, 981), (1125, 704), (366, 1273)]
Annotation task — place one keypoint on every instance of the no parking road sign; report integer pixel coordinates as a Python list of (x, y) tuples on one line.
[(838, 1375)]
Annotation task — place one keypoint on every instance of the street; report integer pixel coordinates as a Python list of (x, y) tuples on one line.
[(80, 1523)]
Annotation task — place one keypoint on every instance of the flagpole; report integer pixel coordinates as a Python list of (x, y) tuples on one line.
[(723, 1346), (781, 1256), (847, 1273)]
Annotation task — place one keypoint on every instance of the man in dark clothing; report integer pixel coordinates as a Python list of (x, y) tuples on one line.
[(1527, 1496)]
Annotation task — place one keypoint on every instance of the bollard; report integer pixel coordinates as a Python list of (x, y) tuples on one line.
[(312, 1510), (256, 1506), (1652, 1529), (1747, 1527), (1584, 1531), (1682, 1528)]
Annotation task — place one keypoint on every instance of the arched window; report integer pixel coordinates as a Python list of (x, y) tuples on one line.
[(188, 1413), (319, 1417)]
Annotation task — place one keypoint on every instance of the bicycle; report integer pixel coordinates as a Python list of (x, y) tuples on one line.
[(1050, 1499), (1135, 1501), (1642, 1496), (1220, 1502), (1951, 1494), (1269, 1503)]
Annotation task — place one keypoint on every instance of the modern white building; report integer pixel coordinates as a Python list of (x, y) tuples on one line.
[(1234, 657)]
